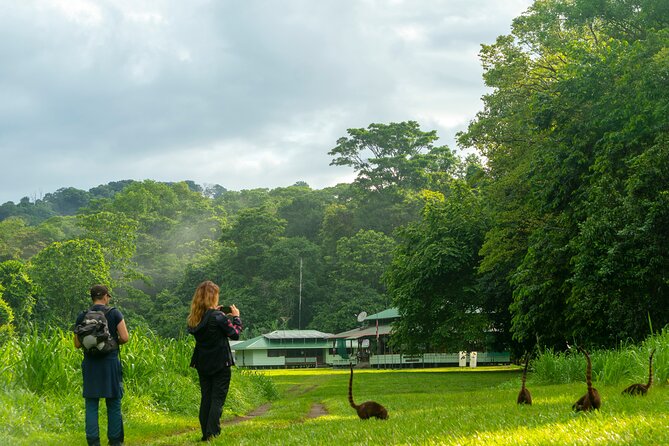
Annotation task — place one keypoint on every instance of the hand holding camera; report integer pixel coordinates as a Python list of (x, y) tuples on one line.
[(230, 310)]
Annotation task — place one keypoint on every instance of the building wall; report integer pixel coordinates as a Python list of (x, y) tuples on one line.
[(258, 358)]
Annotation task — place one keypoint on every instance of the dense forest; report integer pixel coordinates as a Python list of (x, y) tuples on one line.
[(554, 230)]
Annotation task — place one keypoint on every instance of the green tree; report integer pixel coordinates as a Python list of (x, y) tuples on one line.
[(337, 223), (117, 235), (345, 299), (578, 99), (235, 201), (432, 279), (68, 200), (19, 291), (254, 231), (63, 273), (364, 258), (303, 210), (388, 155), (20, 241), (280, 275), (10, 246)]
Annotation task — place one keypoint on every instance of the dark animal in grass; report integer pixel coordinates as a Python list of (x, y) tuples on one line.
[(591, 400), (642, 389), (524, 396), (368, 409)]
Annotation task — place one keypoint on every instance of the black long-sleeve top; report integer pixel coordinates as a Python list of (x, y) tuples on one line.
[(212, 349)]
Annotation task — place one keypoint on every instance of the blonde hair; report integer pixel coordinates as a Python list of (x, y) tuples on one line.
[(205, 297)]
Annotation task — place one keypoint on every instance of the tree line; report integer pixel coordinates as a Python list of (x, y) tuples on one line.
[(555, 230)]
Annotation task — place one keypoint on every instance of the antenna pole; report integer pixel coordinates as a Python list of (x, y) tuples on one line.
[(299, 311)]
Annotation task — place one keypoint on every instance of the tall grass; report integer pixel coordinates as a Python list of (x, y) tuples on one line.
[(42, 362), (626, 364), (41, 381)]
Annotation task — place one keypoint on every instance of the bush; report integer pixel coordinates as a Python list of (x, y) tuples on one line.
[(6, 321)]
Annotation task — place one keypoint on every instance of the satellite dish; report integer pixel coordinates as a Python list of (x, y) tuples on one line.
[(362, 316)]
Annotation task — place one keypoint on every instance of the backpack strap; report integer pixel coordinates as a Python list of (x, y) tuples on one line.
[(107, 309)]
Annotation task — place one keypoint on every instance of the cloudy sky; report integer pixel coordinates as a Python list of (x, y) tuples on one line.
[(241, 93)]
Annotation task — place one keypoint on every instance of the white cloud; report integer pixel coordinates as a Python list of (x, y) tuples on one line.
[(82, 12), (244, 94)]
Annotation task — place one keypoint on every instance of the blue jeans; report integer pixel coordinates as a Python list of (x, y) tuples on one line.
[(114, 421)]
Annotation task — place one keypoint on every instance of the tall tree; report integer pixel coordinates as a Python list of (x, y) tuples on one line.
[(116, 233), (432, 279), (254, 231), (388, 155), (578, 97), (63, 273)]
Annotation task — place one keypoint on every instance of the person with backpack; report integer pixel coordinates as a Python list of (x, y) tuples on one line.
[(212, 356), (98, 332)]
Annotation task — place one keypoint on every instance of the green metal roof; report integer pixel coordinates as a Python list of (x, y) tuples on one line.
[(297, 334), (367, 332), (256, 343), (390, 313), (286, 340)]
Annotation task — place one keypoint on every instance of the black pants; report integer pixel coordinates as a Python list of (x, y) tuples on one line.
[(214, 390)]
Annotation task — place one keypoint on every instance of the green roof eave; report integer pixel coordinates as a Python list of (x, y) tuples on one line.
[(390, 313), (251, 344), (262, 343)]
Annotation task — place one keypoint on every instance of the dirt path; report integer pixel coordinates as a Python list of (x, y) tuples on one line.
[(260, 411), (298, 389), (317, 410)]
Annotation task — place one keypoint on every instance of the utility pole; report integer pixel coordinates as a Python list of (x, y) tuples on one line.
[(299, 311)]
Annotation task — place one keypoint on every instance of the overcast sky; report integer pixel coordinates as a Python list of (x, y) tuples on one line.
[(241, 93)]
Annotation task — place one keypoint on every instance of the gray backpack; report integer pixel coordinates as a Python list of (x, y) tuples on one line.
[(93, 333)]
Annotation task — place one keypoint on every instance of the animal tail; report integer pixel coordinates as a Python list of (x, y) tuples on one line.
[(527, 360), (588, 370), (350, 389), (650, 369)]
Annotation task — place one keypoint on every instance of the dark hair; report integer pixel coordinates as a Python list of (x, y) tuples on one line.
[(97, 291)]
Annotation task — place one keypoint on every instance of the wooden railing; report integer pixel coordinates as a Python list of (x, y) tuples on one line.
[(308, 361)]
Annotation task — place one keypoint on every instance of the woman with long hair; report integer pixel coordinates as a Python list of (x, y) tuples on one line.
[(212, 356)]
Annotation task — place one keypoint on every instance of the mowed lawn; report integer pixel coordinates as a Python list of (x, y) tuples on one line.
[(442, 406)]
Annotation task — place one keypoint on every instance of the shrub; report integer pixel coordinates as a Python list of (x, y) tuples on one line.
[(6, 321)]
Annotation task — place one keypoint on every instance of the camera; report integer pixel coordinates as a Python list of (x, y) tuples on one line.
[(225, 309)]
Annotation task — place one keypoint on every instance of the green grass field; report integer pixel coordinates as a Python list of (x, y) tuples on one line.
[(444, 406), (41, 403)]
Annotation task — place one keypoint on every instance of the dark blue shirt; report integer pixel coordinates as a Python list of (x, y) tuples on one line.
[(103, 377)]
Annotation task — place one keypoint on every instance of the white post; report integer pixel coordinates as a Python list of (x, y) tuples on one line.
[(472, 359), (462, 359)]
